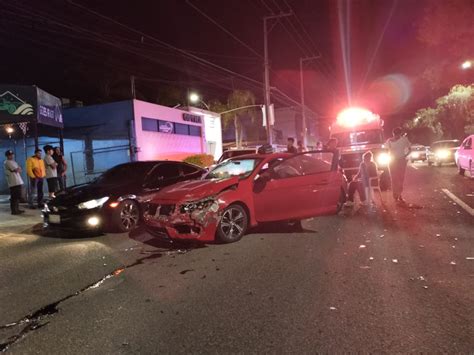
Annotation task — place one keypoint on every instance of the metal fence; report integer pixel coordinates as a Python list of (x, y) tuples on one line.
[(86, 165)]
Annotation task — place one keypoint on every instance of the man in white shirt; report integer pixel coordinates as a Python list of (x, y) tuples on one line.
[(51, 171), (14, 181), (399, 148)]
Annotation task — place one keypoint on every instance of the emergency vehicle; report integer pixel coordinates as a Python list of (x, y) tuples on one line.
[(358, 131)]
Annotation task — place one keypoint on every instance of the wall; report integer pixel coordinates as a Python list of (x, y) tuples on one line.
[(163, 146), (212, 131)]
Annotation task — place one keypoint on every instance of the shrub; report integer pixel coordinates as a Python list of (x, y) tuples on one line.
[(203, 160)]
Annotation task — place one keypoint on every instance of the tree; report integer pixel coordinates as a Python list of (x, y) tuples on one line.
[(236, 99), (453, 116)]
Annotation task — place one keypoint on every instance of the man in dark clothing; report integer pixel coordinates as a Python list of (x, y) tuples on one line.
[(331, 146), (61, 168), (290, 147)]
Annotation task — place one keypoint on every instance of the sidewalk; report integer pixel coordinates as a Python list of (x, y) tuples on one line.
[(18, 223)]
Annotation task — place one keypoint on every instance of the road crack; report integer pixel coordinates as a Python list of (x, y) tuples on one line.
[(42, 316)]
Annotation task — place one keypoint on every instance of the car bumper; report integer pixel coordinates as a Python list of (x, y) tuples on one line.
[(74, 221), (180, 226)]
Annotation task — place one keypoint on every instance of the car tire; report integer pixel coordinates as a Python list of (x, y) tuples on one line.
[(233, 224), (125, 216), (461, 170), (342, 200)]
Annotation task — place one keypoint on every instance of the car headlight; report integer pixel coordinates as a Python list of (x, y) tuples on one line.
[(190, 207), (442, 153), (383, 159), (92, 203), (415, 155)]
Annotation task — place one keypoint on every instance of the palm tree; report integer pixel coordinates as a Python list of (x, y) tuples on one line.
[(235, 100)]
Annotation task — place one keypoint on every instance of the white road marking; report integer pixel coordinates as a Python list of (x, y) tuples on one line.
[(460, 202)]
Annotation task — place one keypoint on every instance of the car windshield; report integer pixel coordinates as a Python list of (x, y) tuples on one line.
[(125, 173), (234, 153), (450, 144), (235, 167), (346, 139)]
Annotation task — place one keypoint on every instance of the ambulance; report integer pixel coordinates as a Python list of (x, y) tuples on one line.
[(359, 130)]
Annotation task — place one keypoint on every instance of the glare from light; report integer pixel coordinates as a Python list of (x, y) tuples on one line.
[(355, 116), (415, 155), (10, 130), (92, 203), (114, 204), (467, 64), (383, 159), (93, 221), (194, 98), (442, 153)]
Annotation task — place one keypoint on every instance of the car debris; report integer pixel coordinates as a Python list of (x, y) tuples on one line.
[(395, 261)]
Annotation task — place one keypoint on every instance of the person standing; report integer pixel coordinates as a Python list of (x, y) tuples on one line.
[(361, 181), (62, 167), (301, 148), (319, 146), (36, 172), (331, 146), (14, 181), (399, 149), (290, 146), (51, 171)]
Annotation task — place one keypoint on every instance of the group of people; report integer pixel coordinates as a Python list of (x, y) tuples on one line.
[(52, 168), (399, 149)]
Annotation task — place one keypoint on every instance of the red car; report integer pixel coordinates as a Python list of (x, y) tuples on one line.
[(245, 191)]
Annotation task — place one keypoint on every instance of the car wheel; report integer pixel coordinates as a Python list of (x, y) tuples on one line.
[(233, 224), (342, 200), (471, 169), (126, 216), (461, 170)]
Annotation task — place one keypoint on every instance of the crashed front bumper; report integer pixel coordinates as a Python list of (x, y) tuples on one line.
[(200, 224)]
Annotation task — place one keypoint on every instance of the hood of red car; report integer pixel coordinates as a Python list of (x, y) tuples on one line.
[(194, 189)]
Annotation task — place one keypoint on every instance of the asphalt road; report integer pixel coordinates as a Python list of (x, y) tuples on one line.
[(395, 280)]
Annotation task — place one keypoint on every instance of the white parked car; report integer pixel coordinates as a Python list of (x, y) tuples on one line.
[(465, 156)]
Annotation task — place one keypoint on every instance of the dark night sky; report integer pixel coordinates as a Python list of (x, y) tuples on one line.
[(71, 52)]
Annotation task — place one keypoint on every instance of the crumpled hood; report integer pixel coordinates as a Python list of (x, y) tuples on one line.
[(194, 189)]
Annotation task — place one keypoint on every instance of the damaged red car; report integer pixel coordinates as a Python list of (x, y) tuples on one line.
[(245, 191)]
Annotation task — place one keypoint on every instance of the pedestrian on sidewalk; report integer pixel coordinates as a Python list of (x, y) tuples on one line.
[(36, 173), (399, 149), (301, 148), (62, 167), (51, 171), (367, 170), (14, 181)]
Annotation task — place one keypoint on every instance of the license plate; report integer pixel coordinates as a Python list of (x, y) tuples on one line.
[(54, 218)]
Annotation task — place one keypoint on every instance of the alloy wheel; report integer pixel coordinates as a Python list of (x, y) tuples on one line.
[(129, 215), (233, 223)]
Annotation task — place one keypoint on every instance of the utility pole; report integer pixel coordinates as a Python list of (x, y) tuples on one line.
[(132, 86), (303, 107), (267, 72)]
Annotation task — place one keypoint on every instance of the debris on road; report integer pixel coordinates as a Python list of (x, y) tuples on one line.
[(469, 257), (382, 235), (364, 267), (425, 287), (395, 261), (438, 235), (333, 308), (371, 258), (452, 263), (362, 246)]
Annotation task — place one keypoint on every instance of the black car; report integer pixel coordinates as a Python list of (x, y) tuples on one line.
[(443, 152), (115, 200)]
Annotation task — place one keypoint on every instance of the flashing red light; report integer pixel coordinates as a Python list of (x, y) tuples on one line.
[(354, 116)]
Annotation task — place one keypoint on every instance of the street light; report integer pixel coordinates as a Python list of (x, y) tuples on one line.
[(195, 98), (467, 64)]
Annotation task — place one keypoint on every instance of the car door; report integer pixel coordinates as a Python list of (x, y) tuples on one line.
[(300, 186), (466, 153)]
